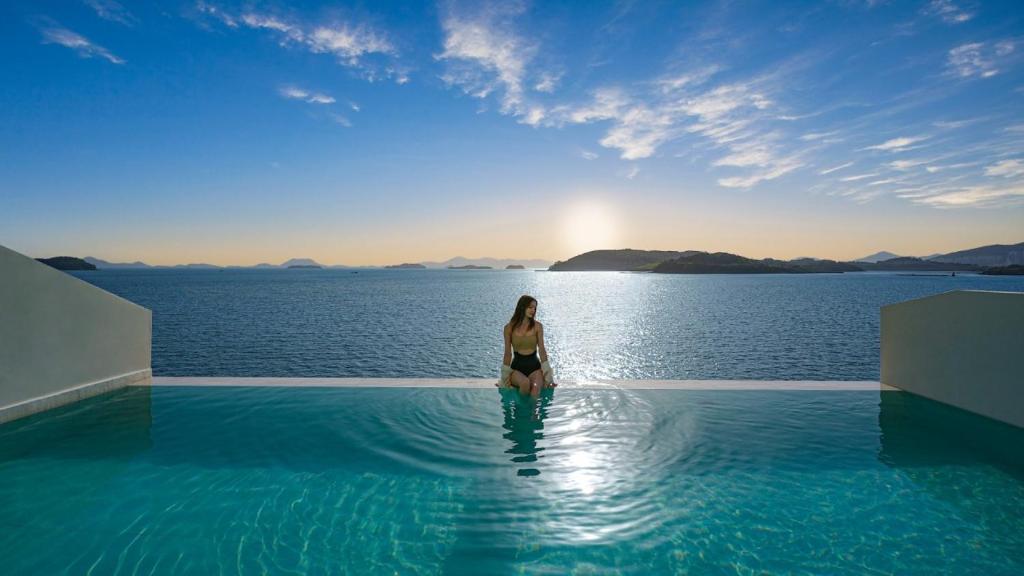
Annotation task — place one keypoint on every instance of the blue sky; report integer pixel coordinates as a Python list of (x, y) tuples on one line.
[(380, 132)]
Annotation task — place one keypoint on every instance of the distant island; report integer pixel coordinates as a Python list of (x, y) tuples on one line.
[(459, 261), (695, 262), (995, 255), (67, 263), (470, 267), (313, 266), (725, 263), (699, 262), (824, 266), (515, 267), (626, 260), (1013, 270), (906, 263)]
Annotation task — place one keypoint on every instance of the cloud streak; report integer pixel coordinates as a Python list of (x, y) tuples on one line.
[(81, 45), (112, 11), (485, 56), (294, 93), (949, 12), (351, 44), (1006, 169), (978, 59), (897, 144)]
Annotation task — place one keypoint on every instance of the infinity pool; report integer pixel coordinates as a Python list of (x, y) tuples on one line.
[(235, 480)]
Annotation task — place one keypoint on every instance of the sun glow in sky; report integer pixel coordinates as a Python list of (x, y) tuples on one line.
[(589, 225), (237, 132)]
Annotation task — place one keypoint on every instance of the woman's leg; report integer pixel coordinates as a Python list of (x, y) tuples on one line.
[(520, 381), (536, 382)]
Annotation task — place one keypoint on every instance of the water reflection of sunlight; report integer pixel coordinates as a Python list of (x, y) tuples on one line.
[(617, 310), (601, 461), (581, 474)]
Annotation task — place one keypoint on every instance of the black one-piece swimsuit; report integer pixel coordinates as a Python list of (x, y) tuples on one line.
[(525, 363)]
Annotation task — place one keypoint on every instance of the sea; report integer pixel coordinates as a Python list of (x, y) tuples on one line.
[(448, 323)]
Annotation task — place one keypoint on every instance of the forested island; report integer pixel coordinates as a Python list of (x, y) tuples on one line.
[(67, 263), (698, 262), (725, 263), (1014, 270)]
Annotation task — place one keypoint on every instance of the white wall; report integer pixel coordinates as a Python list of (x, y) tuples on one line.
[(964, 348), (63, 339)]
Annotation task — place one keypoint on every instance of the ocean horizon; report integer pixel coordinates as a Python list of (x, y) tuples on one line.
[(598, 325)]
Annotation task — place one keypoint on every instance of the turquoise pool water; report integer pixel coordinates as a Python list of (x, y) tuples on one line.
[(225, 480)]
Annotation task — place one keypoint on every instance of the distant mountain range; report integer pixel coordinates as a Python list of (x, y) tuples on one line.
[(619, 260), (696, 262), (988, 256), (457, 262), (293, 263), (878, 257), (725, 263), (461, 262), (995, 255)]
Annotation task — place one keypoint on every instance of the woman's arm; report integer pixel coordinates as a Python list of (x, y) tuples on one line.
[(540, 343), (506, 358)]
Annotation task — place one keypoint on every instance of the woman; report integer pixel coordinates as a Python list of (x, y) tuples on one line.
[(524, 338)]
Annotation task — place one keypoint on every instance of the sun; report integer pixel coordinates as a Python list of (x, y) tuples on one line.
[(589, 225)]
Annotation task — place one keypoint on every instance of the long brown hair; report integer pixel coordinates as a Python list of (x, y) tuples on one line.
[(520, 313)]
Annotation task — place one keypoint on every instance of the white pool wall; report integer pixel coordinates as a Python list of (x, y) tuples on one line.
[(63, 339), (964, 348)]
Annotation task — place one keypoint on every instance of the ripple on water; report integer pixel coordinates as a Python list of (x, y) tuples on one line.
[(459, 481)]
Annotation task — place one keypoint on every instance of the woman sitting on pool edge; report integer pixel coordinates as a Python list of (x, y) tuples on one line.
[(524, 338)]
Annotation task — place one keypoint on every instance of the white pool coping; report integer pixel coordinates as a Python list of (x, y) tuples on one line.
[(833, 385)]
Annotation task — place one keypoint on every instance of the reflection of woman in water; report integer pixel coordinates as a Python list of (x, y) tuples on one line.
[(524, 426), (524, 349)]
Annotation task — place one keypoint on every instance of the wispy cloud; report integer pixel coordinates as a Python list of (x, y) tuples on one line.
[(835, 169), (949, 12), (813, 136), (294, 93), (1006, 169), (778, 167), (859, 177), (548, 82), (215, 12), (58, 35), (981, 196), (897, 144), (340, 119), (112, 11), (350, 43), (954, 124), (907, 164), (484, 56), (978, 59), (673, 107), (588, 155)]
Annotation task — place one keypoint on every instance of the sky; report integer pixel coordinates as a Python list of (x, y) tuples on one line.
[(380, 132)]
